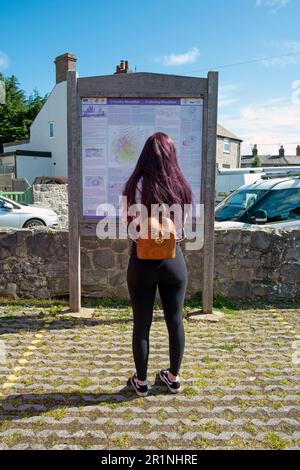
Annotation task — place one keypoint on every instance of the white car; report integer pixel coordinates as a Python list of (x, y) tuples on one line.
[(272, 202), (15, 214)]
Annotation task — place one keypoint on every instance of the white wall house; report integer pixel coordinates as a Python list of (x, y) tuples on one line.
[(48, 132)]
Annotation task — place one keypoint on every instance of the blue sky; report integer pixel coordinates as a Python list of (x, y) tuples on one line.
[(259, 101)]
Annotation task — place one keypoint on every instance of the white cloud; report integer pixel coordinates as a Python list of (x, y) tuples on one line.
[(272, 5), (4, 60), (268, 124), (179, 59), (283, 47), (281, 61), (226, 95)]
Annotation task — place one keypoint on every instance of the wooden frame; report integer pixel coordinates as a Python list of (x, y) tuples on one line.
[(140, 85)]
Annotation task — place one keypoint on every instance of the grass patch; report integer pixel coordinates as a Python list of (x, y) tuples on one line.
[(162, 414), (189, 392), (57, 414), (227, 347), (105, 302), (275, 442), (84, 383), (12, 439), (200, 443), (122, 441), (54, 309), (208, 360), (225, 305), (18, 303)]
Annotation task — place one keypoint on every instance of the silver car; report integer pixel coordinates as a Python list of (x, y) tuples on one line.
[(15, 214)]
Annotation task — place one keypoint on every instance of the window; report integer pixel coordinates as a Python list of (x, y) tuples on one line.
[(226, 146), (51, 130), (235, 205), (281, 204), (3, 201)]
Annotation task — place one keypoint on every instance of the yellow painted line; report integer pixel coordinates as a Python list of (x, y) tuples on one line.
[(13, 378), (23, 361), (28, 353)]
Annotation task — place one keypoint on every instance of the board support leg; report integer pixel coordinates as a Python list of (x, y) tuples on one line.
[(209, 194), (73, 192)]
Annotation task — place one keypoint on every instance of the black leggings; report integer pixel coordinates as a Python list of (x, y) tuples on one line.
[(143, 277)]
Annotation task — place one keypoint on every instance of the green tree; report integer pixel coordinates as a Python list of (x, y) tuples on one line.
[(17, 114), (256, 162)]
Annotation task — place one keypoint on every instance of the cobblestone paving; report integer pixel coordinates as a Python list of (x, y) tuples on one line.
[(63, 385)]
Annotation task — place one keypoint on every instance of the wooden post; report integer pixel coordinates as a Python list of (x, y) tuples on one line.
[(208, 193), (74, 185)]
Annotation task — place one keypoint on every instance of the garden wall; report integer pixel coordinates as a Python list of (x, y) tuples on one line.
[(257, 263)]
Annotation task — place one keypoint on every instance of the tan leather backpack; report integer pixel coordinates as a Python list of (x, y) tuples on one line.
[(162, 244)]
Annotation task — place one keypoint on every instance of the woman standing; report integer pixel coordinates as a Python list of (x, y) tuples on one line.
[(156, 179)]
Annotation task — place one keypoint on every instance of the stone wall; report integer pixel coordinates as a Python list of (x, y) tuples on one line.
[(54, 196), (249, 264)]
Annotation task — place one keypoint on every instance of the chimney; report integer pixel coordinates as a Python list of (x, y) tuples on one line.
[(298, 151), (281, 151), (63, 64), (254, 151), (123, 67)]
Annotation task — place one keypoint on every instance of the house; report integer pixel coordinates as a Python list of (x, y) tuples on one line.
[(281, 159), (45, 153), (48, 132), (228, 149)]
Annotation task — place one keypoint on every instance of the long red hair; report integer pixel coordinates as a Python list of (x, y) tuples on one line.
[(163, 180)]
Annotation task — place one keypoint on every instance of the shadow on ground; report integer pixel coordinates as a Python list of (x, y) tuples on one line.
[(34, 404)]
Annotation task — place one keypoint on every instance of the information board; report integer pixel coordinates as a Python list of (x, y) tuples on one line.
[(109, 119), (114, 131)]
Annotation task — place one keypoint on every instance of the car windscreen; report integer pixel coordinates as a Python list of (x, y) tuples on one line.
[(280, 204), (234, 206)]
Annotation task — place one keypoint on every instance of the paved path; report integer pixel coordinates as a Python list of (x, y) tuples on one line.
[(62, 386)]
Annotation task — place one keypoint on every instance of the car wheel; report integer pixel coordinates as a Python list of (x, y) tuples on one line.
[(33, 223)]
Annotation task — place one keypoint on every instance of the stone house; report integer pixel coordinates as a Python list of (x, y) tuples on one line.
[(228, 149)]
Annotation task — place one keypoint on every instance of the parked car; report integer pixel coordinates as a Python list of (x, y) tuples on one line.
[(272, 202), (51, 180), (14, 214)]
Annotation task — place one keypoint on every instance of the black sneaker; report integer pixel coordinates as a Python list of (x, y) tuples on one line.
[(174, 387), (140, 390)]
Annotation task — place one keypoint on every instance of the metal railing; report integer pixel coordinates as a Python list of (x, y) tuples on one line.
[(19, 196)]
